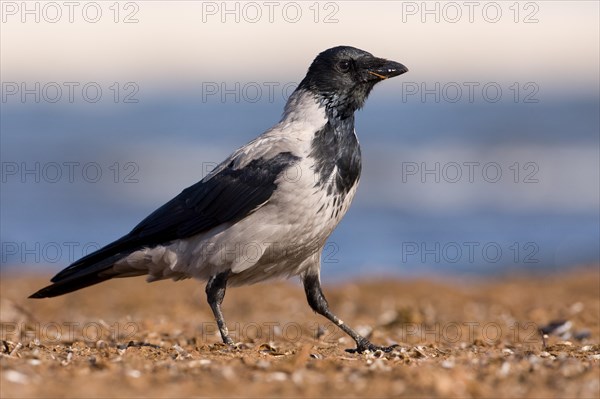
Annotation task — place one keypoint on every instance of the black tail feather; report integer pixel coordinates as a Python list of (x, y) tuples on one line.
[(98, 260), (66, 286), (92, 269)]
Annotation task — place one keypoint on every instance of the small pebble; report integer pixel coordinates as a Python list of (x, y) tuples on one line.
[(16, 377), (267, 347), (181, 352), (16, 349), (68, 359), (298, 377), (278, 376), (447, 364), (134, 373), (364, 330), (504, 369), (199, 362), (380, 365), (263, 364), (418, 352), (577, 307), (533, 359), (378, 353), (581, 335), (557, 327), (228, 373), (388, 317)]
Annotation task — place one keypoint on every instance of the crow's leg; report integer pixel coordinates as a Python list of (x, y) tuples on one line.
[(215, 292), (317, 301)]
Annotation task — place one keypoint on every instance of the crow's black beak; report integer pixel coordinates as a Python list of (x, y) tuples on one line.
[(388, 69)]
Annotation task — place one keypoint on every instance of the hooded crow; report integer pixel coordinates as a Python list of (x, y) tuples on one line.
[(264, 212)]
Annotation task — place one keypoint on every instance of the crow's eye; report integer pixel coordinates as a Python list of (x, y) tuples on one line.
[(344, 66)]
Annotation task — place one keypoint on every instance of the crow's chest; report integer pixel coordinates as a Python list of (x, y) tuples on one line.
[(336, 165), (336, 161)]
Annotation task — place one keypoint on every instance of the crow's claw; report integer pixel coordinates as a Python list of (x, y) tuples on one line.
[(367, 346)]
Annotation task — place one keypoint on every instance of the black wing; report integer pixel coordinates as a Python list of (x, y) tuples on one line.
[(228, 196)]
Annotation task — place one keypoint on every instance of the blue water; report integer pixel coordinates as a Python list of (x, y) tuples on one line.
[(394, 228)]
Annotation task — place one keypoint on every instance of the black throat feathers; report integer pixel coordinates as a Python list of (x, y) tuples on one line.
[(336, 152)]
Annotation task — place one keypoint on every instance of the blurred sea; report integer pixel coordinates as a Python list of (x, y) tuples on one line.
[(447, 188)]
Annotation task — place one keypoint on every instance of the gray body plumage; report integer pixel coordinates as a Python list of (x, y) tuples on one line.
[(283, 236)]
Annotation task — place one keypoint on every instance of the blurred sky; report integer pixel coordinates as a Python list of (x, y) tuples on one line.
[(176, 42), (174, 59)]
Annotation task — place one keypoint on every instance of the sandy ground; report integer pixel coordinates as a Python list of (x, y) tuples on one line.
[(469, 338)]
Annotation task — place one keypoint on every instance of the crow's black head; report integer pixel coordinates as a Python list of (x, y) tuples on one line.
[(342, 78)]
